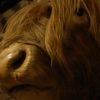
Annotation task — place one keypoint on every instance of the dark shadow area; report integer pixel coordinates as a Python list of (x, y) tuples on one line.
[(6, 4)]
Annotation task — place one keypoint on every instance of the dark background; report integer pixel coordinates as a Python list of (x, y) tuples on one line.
[(6, 4)]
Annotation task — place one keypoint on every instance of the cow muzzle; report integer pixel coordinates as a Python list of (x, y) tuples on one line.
[(14, 58)]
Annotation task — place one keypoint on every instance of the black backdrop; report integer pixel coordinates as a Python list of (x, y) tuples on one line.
[(6, 4)]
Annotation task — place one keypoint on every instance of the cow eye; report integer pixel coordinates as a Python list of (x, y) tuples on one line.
[(80, 19), (80, 12), (48, 12)]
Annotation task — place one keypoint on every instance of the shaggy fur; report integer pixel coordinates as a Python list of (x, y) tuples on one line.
[(69, 32)]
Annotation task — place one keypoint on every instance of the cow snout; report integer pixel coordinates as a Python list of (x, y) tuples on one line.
[(14, 58)]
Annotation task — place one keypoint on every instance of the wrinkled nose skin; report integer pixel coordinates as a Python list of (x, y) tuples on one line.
[(22, 64)]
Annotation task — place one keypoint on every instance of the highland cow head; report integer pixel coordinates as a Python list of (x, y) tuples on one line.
[(51, 51)]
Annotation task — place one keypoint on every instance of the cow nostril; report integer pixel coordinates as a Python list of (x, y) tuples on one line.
[(18, 61)]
